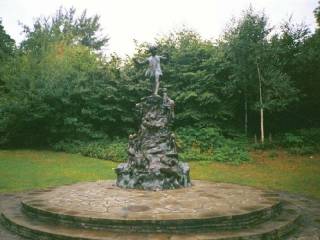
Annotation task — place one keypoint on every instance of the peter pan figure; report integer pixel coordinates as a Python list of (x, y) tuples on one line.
[(154, 69)]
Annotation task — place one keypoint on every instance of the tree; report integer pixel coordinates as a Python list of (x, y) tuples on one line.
[(7, 48), (190, 77), (66, 27), (317, 14), (61, 87), (240, 43), (69, 94), (7, 44), (254, 70), (294, 58)]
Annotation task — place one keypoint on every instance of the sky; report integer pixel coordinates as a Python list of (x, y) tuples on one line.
[(144, 20)]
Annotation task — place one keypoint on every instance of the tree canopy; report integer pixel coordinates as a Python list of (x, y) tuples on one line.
[(58, 86)]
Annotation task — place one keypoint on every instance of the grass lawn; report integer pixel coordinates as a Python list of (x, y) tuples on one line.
[(30, 169)]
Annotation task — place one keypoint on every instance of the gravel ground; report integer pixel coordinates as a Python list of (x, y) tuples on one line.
[(309, 226)]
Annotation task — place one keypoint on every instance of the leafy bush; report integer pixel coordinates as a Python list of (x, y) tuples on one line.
[(208, 144), (310, 136), (114, 151), (265, 146), (302, 142), (202, 138), (292, 140), (68, 146), (304, 150), (104, 149), (194, 154), (231, 153)]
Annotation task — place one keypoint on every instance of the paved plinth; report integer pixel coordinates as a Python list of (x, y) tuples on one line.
[(203, 201), (101, 210)]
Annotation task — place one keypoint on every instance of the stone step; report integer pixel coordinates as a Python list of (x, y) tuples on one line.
[(13, 218), (200, 208), (229, 222)]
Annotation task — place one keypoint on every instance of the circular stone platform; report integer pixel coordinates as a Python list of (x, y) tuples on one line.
[(203, 206)]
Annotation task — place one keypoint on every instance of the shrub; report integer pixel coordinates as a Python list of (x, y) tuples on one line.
[(202, 138), (310, 136), (265, 146), (194, 154), (303, 141), (113, 151), (292, 140), (304, 150), (208, 144), (231, 153), (68, 146), (103, 149)]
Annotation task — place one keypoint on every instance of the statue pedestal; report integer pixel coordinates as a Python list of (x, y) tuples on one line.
[(153, 159)]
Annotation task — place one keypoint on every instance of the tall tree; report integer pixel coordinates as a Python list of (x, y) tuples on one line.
[(64, 26), (240, 44), (254, 70), (317, 14), (7, 48), (62, 89), (190, 75), (7, 44)]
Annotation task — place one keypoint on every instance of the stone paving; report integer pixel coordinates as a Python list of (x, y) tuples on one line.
[(105, 200), (310, 220), (310, 208)]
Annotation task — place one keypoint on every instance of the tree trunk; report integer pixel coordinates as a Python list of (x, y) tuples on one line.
[(261, 125), (245, 115), (261, 105)]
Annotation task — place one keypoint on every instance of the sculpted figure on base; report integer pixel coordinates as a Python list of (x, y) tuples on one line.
[(153, 162), (154, 69)]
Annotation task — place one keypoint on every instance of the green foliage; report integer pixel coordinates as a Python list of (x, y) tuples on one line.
[(208, 144), (264, 146), (296, 51), (292, 140), (255, 71), (70, 93), (195, 154), (201, 138), (303, 150), (69, 146), (302, 142), (7, 49), (65, 27), (317, 14), (57, 87), (191, 77), (114, 151), (228, 153), (231, 153), (7, 44), (105, 149), (310, 136)]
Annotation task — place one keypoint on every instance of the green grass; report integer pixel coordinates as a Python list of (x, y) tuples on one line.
[(284, 172), (29, 169)]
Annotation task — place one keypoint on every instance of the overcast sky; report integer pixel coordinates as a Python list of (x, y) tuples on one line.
[(143, 20)]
